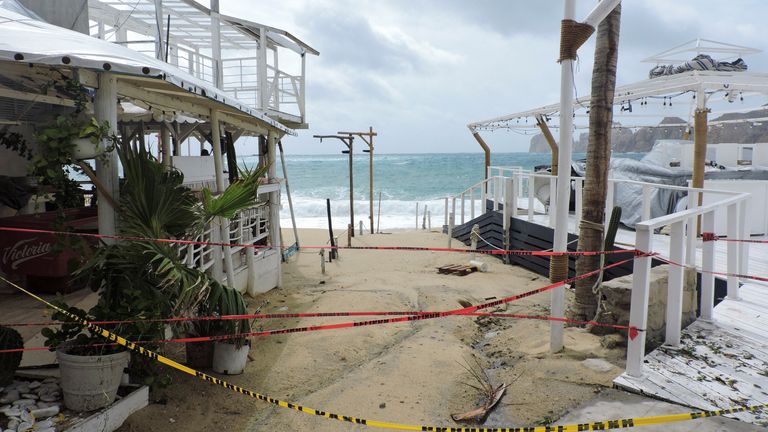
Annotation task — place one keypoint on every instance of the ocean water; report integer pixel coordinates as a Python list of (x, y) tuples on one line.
[(403, 180)]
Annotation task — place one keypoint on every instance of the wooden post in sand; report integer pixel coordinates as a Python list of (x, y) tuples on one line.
[(333, 252)]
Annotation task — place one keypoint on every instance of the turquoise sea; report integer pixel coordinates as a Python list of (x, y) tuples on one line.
[(402, 179)]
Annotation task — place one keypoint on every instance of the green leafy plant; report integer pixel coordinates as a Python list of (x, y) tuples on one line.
[(147, 280)]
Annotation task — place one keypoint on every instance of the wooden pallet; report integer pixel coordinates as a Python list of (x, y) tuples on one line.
[(456, 269)]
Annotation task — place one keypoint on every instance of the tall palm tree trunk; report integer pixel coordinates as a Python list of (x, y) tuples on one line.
[(598, 158)]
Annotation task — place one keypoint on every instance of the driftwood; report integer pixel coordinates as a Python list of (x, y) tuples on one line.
[(481, 412), (491, 394)]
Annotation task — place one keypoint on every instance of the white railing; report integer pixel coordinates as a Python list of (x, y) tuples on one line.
[(246, 228), (285, 91), (511, 183), (682, 239)]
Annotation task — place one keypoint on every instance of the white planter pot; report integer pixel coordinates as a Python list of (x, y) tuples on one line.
[(85, 149), (90, 382), (228, 359)]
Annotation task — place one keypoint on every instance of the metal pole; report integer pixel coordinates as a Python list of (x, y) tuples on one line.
[(288, 192), (351, 190), (563, 183), (370, 147)]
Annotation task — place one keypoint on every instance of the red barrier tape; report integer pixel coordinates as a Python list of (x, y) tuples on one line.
[(716, 273), (389, 248), (708, 236), (417, 316), (631, 330)]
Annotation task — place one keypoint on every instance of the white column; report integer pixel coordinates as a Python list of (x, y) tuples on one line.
[(160, 27), (218, 73), (638, 313), (707, 265), (733, 251), (105, 110), (302, 89), (675, 286), (165, 143), (563, 183), (274, 205), (262, 70), (220, 186)]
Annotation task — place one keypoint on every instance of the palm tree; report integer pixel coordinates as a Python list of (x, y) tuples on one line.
[(598, 159), (149, 279)]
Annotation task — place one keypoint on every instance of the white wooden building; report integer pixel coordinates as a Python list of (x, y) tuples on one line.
[(221, 81)]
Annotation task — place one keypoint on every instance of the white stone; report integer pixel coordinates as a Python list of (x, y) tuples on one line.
[(10, 397), (44, 424), (27, 417), (24, 403), (49, 397), (45, 412), (50, 429), (13, 424), (12, 412), (597, 365), (30, 396), (34, 384), (24, 427)]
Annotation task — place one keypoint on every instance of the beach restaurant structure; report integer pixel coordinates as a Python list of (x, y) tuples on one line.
[(180, 79), (719, 359)]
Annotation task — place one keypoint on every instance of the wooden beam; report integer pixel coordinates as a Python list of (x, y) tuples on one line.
[(550, 140)]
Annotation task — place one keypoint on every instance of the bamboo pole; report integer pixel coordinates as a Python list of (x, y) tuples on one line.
[(550, 140)]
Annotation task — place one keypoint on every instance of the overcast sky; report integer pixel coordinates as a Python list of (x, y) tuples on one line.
[(419, 70)]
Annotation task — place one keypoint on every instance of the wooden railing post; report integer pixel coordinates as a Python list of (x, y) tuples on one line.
[(472, 203), (531, 197), (638, 314), (445, 214), (496, 192), (553, 201), (646, 203), (579, 185), (707, 265), (675, 285), (451, 219), (733, 251), (513, 194), (745, 232)]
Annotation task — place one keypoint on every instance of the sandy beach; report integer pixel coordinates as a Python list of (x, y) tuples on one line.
[(404, 372)]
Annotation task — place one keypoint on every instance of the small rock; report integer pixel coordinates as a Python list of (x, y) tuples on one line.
[(171, 420), (382, 405), (21, 403), (50, 429), (30, 396), (49, 397), (282, 309), (491, 334), (44, 424), (13, 424), (27, 417), (613, 341), (24, 427), (23, 388), (597, 365), (35, 384), (12, 412), (10, 397), (45, 412)]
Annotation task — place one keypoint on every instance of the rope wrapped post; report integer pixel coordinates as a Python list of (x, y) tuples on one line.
[(573, 34)]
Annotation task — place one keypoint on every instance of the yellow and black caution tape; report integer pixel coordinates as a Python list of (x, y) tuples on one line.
[(591, 426)]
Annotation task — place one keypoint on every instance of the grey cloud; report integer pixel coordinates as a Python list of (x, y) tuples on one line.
[(347, 40)]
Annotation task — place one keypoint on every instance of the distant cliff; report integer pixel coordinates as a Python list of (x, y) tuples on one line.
[(624, 140)]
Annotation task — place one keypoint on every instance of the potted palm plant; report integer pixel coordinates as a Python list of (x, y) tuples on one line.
[(150, 279)]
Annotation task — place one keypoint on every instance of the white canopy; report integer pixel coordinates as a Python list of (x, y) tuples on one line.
[(29, 41)]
